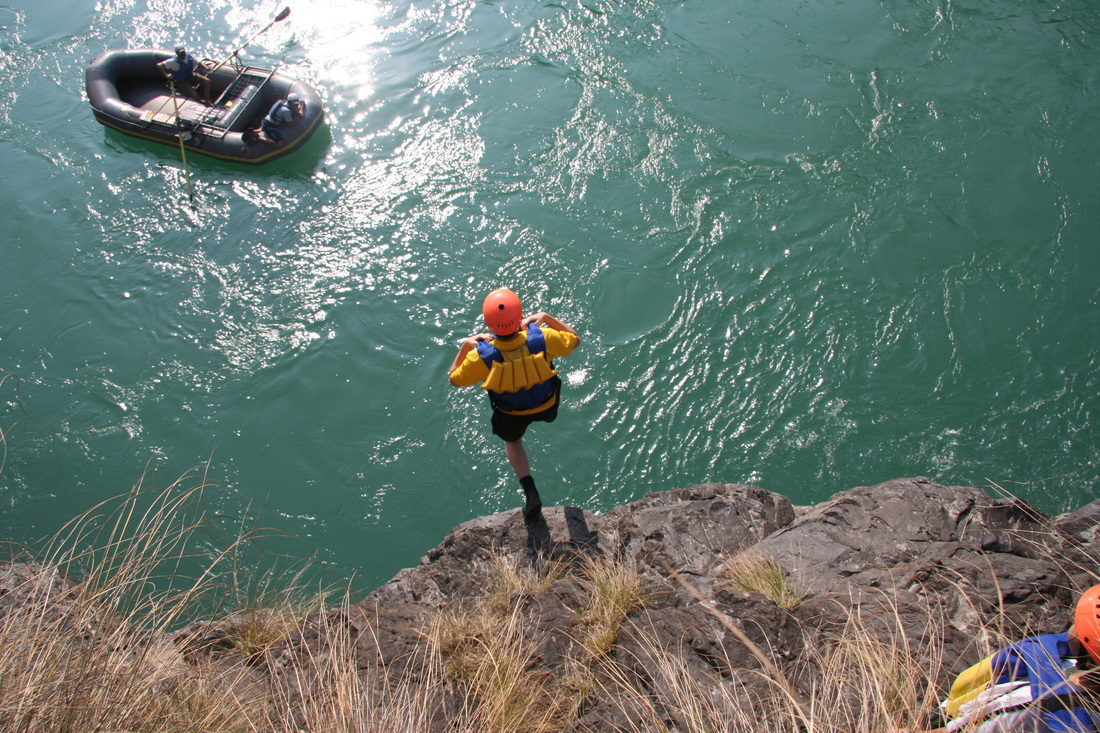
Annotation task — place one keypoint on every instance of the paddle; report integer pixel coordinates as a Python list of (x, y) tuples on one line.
[(281, 16), (183, 152)]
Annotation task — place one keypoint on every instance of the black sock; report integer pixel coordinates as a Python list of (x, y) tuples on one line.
[(534, 501)]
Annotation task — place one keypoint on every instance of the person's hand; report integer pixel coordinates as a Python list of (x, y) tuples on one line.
[(545, 318), (538, 319), (472, 340), (468, 345)]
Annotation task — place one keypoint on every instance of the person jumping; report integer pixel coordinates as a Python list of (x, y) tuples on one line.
[(514, 364)]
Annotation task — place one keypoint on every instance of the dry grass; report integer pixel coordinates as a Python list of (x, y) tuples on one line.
[(484, 649), (614, 589), (491, 658), (86, 645), (94, 655), (674, 699), (756, 573), (487, 650), (266, 611), (511, 582), (86, 628), (873, 675)]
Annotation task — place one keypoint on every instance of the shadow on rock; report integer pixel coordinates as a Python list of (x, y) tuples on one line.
[(577, 539)]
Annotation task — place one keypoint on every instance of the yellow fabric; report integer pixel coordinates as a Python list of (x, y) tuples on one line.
[(473, 370), (518, 371), (968, 685)]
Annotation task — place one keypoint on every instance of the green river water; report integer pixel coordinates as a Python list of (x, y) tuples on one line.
[(808, 245)]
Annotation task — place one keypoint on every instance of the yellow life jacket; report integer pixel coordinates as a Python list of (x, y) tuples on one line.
[(520, 379), (970, 683), (518, 371)]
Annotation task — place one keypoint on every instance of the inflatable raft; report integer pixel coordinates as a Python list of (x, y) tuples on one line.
[(128, 93)]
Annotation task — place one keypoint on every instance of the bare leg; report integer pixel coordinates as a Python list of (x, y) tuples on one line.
[(517, 456)]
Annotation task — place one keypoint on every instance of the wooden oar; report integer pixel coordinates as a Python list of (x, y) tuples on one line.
[(183, 151)]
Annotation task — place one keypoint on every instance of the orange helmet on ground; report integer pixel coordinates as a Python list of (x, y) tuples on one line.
[(502, 312), (1087, 621)]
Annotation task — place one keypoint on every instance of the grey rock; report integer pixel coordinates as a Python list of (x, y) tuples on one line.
[(898, 554), (895, 551)]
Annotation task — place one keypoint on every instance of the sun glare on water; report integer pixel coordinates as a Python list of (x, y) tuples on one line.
[(339, 40)]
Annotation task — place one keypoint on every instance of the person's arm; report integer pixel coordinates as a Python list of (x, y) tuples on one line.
[(540, 318), (463, 350)]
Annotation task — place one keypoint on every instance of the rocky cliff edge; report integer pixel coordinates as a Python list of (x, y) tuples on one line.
[(900, 556)]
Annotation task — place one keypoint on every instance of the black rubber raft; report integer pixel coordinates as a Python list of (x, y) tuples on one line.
[(128, 93)]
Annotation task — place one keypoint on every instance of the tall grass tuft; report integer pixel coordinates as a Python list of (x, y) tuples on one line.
[(755, 572), (86, 646), (86, 636), (484, 648), (615, 589), (488, 650), (875, 674), (510, 582)]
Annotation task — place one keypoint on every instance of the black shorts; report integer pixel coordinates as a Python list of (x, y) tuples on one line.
[(271, 131), (510, 428)]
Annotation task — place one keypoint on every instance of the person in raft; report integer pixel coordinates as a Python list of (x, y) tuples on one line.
[(180, 70), (514, 364), (282, 112), (1039, 685)]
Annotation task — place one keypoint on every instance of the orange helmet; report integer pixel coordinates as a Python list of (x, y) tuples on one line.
[(502, 312), (1087, 621)]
